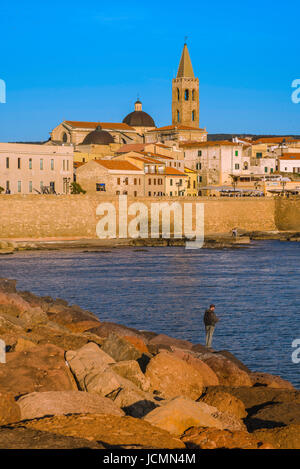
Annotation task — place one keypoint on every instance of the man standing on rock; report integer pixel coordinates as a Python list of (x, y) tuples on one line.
[(210, 320)]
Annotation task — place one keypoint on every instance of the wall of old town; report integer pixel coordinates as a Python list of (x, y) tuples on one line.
[(74, 216)]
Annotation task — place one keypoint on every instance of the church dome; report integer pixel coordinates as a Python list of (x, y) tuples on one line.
[(139, 118), (98, 137)]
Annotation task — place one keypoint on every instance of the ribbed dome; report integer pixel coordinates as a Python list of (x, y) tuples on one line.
[(98, 137), (139, 118)]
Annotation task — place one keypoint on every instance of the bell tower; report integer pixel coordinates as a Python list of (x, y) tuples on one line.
[(185, 93)]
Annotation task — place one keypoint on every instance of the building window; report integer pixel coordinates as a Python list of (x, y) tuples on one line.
[(135, 193), (199, 152), (149, 194), (19, 163), (30, 186), (41, 186), (117, 192), (266, 169), (236, 153), (272, 170), (135, 181), (7, 187), (193, 115), (126, 181), (186, 95), (118, 181), (65, 138), (41, 164), (171, 193), (64, 165), (178, 94), (7, 163), (30, 163), (154, 181), (52, 187), (258, 155), (237, 166), (67, 165), (193, 95), (171, 182), (52, 165), (149, 182), (19, 186), (100, 187), (178, 116)]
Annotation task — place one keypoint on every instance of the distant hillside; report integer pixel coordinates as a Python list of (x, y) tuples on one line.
[(215, 137)]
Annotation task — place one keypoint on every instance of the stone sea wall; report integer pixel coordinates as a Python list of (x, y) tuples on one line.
[(74, 216)]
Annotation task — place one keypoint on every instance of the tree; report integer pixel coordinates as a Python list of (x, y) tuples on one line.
[(1, 190), (76, 188), (234, 180)]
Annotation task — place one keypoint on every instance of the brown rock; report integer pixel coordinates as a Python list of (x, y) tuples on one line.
[(41, 404), (272, 381), (8, 285), (65, 315), (211, 438), (235, 360), (41, 369), (23, 345), (209, 376), (275, 415), (81, 326), (181, 413), (281, 437), (138, 343), (228, 373), (230, 421), (162, 339), (86, 360), (120, 349), (9, 410), (34, 316), (130, 370), (107, 328), (133, 401), (28, 438), (224, 402), (52, 334), (173, 377), (110, 430)]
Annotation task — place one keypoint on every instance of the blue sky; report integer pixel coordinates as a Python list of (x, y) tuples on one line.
[(89, 60)]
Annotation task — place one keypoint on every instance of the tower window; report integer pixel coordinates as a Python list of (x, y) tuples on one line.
[(193, 115), (186, 95), (178, 94), (193, 95), (178, 116), (65, 138)]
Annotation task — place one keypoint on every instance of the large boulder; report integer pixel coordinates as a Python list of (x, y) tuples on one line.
[(131, 370), (65, 314), (41, 404), (120, 349), (9, 409), (224, 402), (110, 430), (234, 359), (272, 381), (28, 438), (133, 401), (274, 415), (88, 359), (259, 396), (181, 413), (171, 377), (162, 339), (228, 373), (209, 376), (52, 333), (287, 437), (106, 328), (212, 438), (41, 369)]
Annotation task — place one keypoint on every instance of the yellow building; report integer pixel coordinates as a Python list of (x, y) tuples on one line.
[(191, 189), (176, 182)]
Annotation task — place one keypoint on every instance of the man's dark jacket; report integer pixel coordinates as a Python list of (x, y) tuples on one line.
[(210, 319)]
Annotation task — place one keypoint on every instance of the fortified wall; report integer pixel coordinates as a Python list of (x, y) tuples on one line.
[(74, 216)]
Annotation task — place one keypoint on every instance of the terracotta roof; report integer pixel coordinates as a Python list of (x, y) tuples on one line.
[(117, 165), (131, 147), (104, 125), (173, 127), (290, 156), (209, 143), (273, 140), (76, 164), (155, 155), (173, 171), (146, 160)]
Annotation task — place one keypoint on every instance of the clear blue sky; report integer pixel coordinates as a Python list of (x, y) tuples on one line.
[(88, 60)]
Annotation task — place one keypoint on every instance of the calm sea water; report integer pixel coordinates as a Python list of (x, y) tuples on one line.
[(166, 290)]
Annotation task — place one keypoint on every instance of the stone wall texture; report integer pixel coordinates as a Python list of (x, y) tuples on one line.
[(74, 216)]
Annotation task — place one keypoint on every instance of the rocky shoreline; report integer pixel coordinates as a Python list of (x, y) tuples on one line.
[(72, 381), (212, 241)]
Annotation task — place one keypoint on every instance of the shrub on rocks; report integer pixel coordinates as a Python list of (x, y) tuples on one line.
[(171, 377), (41, 404)]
